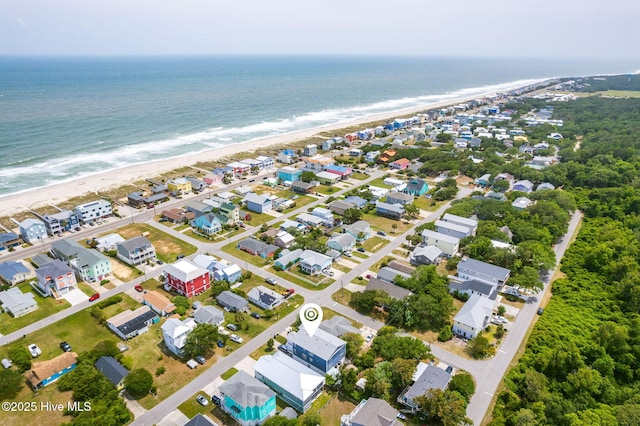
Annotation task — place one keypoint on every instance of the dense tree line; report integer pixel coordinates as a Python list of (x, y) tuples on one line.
[(582, 362)]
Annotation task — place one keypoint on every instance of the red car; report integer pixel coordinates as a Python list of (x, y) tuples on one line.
[(94, 297), (139, 288)]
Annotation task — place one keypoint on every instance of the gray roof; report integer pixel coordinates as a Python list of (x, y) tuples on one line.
[(13, 299), (464, 221), (252, 197), (54, 268), (200, 420), (475, 312), (340, 204), (135, 243), (342, 239), (396, 208), (41, 259), (257, 246), (432, 378), (85, 256), (394, 264), (415, 185), (289, 256), (390, 274), (337, 326), (484, 268), (207, 315), (289, 413), (427, 233), (452, 226), (473, 285), (429, 252), (357, 227), (391, 289), (112, 369), (321, 344), (28, 223), (246, 391), (8, 270), (375, 412), (400, 196), (231, 300)]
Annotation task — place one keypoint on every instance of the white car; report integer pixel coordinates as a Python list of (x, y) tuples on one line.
[(202, 400), (35, 350), (236, 338), (192, 364)]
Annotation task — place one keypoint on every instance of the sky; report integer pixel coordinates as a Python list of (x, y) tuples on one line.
[(495, 28)]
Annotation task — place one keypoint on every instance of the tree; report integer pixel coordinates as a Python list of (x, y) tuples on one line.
[(280, 421), (394, 226), (501, 310), (351, 216), (270, 345), (402, 373), (20, 357), (10, 384), (411, 210), (307, 176), (312, 419), (182, 304), (200, 340), (463, 384), (138, 383), (501, 185), (479, 347), (354, 344), (448, 407), (446, 334)]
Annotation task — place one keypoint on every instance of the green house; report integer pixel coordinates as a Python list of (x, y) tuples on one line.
[(247, 399)]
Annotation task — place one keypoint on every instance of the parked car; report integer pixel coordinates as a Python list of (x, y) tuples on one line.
[(7, 363), (96, 296), (540, 311), (180, 256), (159, 262), (35, 350), (192, 364), (402, 416), (449, 369), (122, 347), (271, 281), (201, 359), (216, 400), (369, 337), (220, 344), (202, 400), (348, 254), (65, 347), (384, 234), (368, 276), (232, 327), (236, 338), (361, 249), (139, 288), (256, 315)]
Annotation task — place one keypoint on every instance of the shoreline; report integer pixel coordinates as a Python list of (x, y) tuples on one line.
[(60, 192)]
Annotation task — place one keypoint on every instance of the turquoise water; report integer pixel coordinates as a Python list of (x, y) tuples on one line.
[(64, 118)]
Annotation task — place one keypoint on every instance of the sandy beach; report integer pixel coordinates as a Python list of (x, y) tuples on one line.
[(53, 194)]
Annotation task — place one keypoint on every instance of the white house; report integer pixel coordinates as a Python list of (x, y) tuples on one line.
[(471, 269), (448, 244), (175, 332), (265, 297), (88, 212), (472, 224), (452, 229), (473, 317)]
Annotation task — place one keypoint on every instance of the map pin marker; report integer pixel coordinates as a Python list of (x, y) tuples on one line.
[(311, 317)]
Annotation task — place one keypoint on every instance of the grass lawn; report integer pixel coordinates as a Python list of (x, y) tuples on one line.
[(334, 409), (425, 204), (199, 237), (46, 306), (620, 93), (232, 249), (341, 268), (261, 351), (49, 394), (299, 278), (375, 243), (86, 289), (380, 223), (316, 406), (167, 247), (326, 189), (379, 182), (229, 373), (258, 219), (122, 271), (342, 296), (191, 407), (182, 227), (360, 255), (359, 176)]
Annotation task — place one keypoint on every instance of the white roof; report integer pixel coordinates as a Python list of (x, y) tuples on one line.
[(290, 375), (452, 226), (322, 343), (472, 223), (328, 175), (109, 240), (474, 312), (175, 328), (438, 236), (522, 203), (185, 270), (204, 260), (231, 269)]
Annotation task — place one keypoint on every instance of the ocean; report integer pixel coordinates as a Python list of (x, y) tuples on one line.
[(65, 118)]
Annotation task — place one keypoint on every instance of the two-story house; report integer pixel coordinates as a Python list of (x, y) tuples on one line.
[(187, 278), (33, 230), (322, 352), (135, 251), (249, 401), (94, 210), (175, 332)]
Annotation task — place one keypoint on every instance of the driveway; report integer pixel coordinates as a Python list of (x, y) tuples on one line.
[(75, 297)]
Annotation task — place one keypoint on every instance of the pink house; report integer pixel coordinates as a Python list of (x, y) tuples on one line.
[(400, 164)]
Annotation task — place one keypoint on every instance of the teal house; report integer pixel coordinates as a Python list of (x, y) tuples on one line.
[(416, 187), (247, 399)]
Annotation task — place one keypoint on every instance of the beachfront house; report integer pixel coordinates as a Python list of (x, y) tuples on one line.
[(179, 186), (9, 240), (265, 163), (197, 185), (60, 222), (286, 156), (310, 150), (94, 210), (187, 278), (32, 230)]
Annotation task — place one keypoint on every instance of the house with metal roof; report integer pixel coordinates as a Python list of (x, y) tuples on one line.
[(314, 263), (179, 186), (296, 384), (129, 324), (338, 326), (9, 239), (249, 401), (394, 291), (472, 224), (61, 221), (232, 301), (287, 259), (448, 244), (309, 219), (136, 251), (416, 186), (112, 370), (389, 274), (339, 206), (175, 332), (17, 303), (258, 203), (32, 230), (302, 187), (452, 229), (322, 352), (208, 315), (257, 248), (342, 171), (90, 265), (358, 201), (360, 230), (200, 420), (471, 287), (392, 211), (325, 214), (93, 210), (187, 278), (371, 412), (471, 269), (473, 317), (13, 273), (396, 197), (431, 378), (265, 297), (342, 242), (327, 178), (44, 373), (425, 255)]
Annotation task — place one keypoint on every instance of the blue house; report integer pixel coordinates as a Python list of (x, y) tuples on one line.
[(207, 224), (358, 201), (392, 211), (43, 373), (416, 187), (321, 352), (290, 174), (258, 203), (9, 239), (247, 399), (32, 230), (287, 259)]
